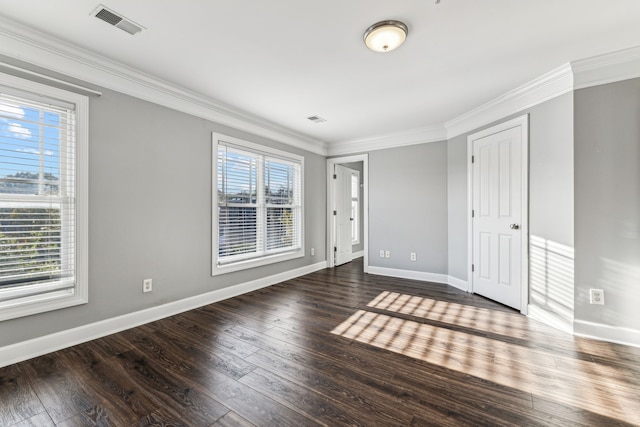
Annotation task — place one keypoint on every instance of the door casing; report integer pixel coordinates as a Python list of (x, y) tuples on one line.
[(364, 158), (342, 207), (523, 123)]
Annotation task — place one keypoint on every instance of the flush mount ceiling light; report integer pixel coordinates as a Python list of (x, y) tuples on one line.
[(385, 36)]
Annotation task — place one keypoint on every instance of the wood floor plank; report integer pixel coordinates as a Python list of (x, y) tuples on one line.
[(220, 318), (120, 399), (41, 420), (18, 401), (192, 406), (334, 347), (571, 415), (232, 419), (196, 366), (406, 392), (261, 307), (256, 407), (351, 357), (162, 418), (61, 392), (371, 399), (209, 338), (179, 353), (93, 416), (317, 406)]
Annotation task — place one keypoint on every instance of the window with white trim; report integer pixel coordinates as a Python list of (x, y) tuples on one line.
[(355, 207), (43, 162), (258, 216)]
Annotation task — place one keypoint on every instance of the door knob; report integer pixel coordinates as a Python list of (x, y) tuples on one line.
[(514, 226)]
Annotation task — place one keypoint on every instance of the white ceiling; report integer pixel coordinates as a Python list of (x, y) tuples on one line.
[(285, 60)]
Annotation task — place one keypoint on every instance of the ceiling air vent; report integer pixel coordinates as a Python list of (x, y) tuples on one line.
[(117, 20), (316, 119)]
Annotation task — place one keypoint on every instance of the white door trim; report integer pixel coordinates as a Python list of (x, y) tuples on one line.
[(364, 158), (523, 123), (343, 188)]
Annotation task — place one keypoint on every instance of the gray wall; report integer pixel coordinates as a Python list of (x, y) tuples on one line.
[(150, 208), (457, 207), (550, 205), (551, 211), (150, 214), (408, 207), (607, 173), (359, 167)]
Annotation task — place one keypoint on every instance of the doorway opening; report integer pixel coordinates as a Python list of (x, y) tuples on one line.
[(347, 210)]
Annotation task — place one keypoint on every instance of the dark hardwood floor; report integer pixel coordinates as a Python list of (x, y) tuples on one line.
[(333, 348)]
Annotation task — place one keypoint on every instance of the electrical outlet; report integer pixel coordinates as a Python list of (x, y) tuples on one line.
[(596, 296), (313, 251), (147, 285), (387, 254), (414, 256), (381, 253)]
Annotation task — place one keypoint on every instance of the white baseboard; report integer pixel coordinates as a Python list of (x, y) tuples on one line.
[(409, 274), (422, 276), (357, 255), (463, 285), (25, 350), (615, 334), (550, 319)]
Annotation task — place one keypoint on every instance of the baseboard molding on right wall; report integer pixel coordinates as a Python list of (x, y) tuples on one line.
[(463, 285), (599, 331), (422, 276), (549, 318), (409, 274)]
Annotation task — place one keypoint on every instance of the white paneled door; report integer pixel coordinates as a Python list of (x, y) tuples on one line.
[(342, 182), (497, 216)]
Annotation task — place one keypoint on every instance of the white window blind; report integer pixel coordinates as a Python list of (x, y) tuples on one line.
[(259, 205), (38, 216)]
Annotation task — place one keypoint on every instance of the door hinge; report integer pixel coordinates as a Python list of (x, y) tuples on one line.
[(335, 176), (335, 249), (473, 267), (473, 213), (335, 212), (473, 159)]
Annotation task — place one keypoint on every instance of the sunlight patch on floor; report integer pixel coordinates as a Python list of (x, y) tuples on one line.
[(504, 361), (481, 319)]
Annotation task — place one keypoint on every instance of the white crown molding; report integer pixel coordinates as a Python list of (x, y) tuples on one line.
[(34, 47), (392, 140), (598, 70), (25, 350), (608, 68), (541, 89)]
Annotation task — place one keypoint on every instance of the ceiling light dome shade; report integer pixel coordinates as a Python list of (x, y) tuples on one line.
[(385, 36)]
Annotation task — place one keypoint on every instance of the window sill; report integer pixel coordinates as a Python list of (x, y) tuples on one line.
[(252, 263), (26, 306)]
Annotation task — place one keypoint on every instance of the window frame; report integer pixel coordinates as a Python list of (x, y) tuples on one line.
[(28, 300), (242, 263)]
